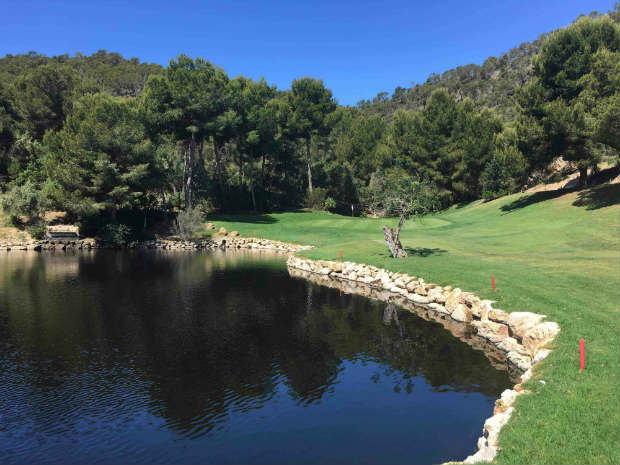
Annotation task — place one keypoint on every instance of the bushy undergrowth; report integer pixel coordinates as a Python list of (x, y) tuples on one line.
[(37, 230), (188, 223), (117, 234), (315, 200), (23, 201)]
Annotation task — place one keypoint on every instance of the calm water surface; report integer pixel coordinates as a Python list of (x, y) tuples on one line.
[(150, 357)]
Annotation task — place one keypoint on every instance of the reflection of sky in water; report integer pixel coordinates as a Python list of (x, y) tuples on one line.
[(150, 357)]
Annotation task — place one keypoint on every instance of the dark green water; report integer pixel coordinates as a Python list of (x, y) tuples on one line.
[(149, 357)]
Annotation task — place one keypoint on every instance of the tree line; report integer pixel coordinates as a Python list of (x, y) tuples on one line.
[(100, 136)]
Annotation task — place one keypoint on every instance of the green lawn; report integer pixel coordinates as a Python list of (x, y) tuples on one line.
[(551, 253)]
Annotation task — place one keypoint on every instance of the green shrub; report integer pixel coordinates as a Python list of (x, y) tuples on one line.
[(23, 200), (188, 223), (37, 230), (116, 234), (329, 204), (315, 200)]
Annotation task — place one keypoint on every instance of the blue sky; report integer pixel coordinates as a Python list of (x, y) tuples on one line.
[(359, 48)]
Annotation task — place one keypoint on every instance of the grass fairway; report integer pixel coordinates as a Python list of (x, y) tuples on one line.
[(551, 253)]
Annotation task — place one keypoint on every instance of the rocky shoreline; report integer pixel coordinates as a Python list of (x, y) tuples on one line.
[(224, 242), (513, 341)]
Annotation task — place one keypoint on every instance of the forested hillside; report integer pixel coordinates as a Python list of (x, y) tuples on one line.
[(492, 85), (108, 139), (100, 72)]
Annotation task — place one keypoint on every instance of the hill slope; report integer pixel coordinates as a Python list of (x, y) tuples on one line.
[(492, 84)]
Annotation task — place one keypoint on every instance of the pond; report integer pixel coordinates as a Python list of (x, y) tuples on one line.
[(162, 357)]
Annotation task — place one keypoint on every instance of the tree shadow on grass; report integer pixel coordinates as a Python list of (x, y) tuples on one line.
[(423, 251), (414, 252), (252, 218), (599, 197), (464, 203), (602, 195), (531, 199)]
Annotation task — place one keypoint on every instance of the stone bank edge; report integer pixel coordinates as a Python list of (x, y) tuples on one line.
[(522, 336), (234, 242)]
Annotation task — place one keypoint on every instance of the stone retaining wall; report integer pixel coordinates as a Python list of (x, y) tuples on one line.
[(51, 244), (232, 242), (513, 341), (227, 242)]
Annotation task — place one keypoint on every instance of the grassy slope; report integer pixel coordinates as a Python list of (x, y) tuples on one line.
[(550, 253)]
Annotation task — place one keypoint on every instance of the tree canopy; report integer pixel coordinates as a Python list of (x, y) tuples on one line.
[(101, 135), (569, 108)]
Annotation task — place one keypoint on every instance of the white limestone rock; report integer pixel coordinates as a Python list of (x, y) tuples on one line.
[(461, 313), (540, 335), (521, 322), (486, 454), (522, 362), (453, 299), (493, 425), (540, 355), (494, 332), (508, 397), (421, 289), (436, 295), (526, 376), (510, 344), (485, 308), (438, 308), (419, 299), (498, 316)]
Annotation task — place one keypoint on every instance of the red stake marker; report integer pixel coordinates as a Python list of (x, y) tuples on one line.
[(341, 255), (582, 354), (320, 244), (340, 291), (493, 282)]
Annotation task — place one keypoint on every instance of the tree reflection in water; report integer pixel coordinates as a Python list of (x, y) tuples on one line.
[(195, 339)]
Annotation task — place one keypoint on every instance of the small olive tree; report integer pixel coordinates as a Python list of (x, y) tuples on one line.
[(403, 196)]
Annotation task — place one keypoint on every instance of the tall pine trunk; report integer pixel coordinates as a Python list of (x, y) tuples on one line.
[(252, 194), (309, 164), (583, 176), (262, 172), (218, 162), (240, 164), (190, 172)]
